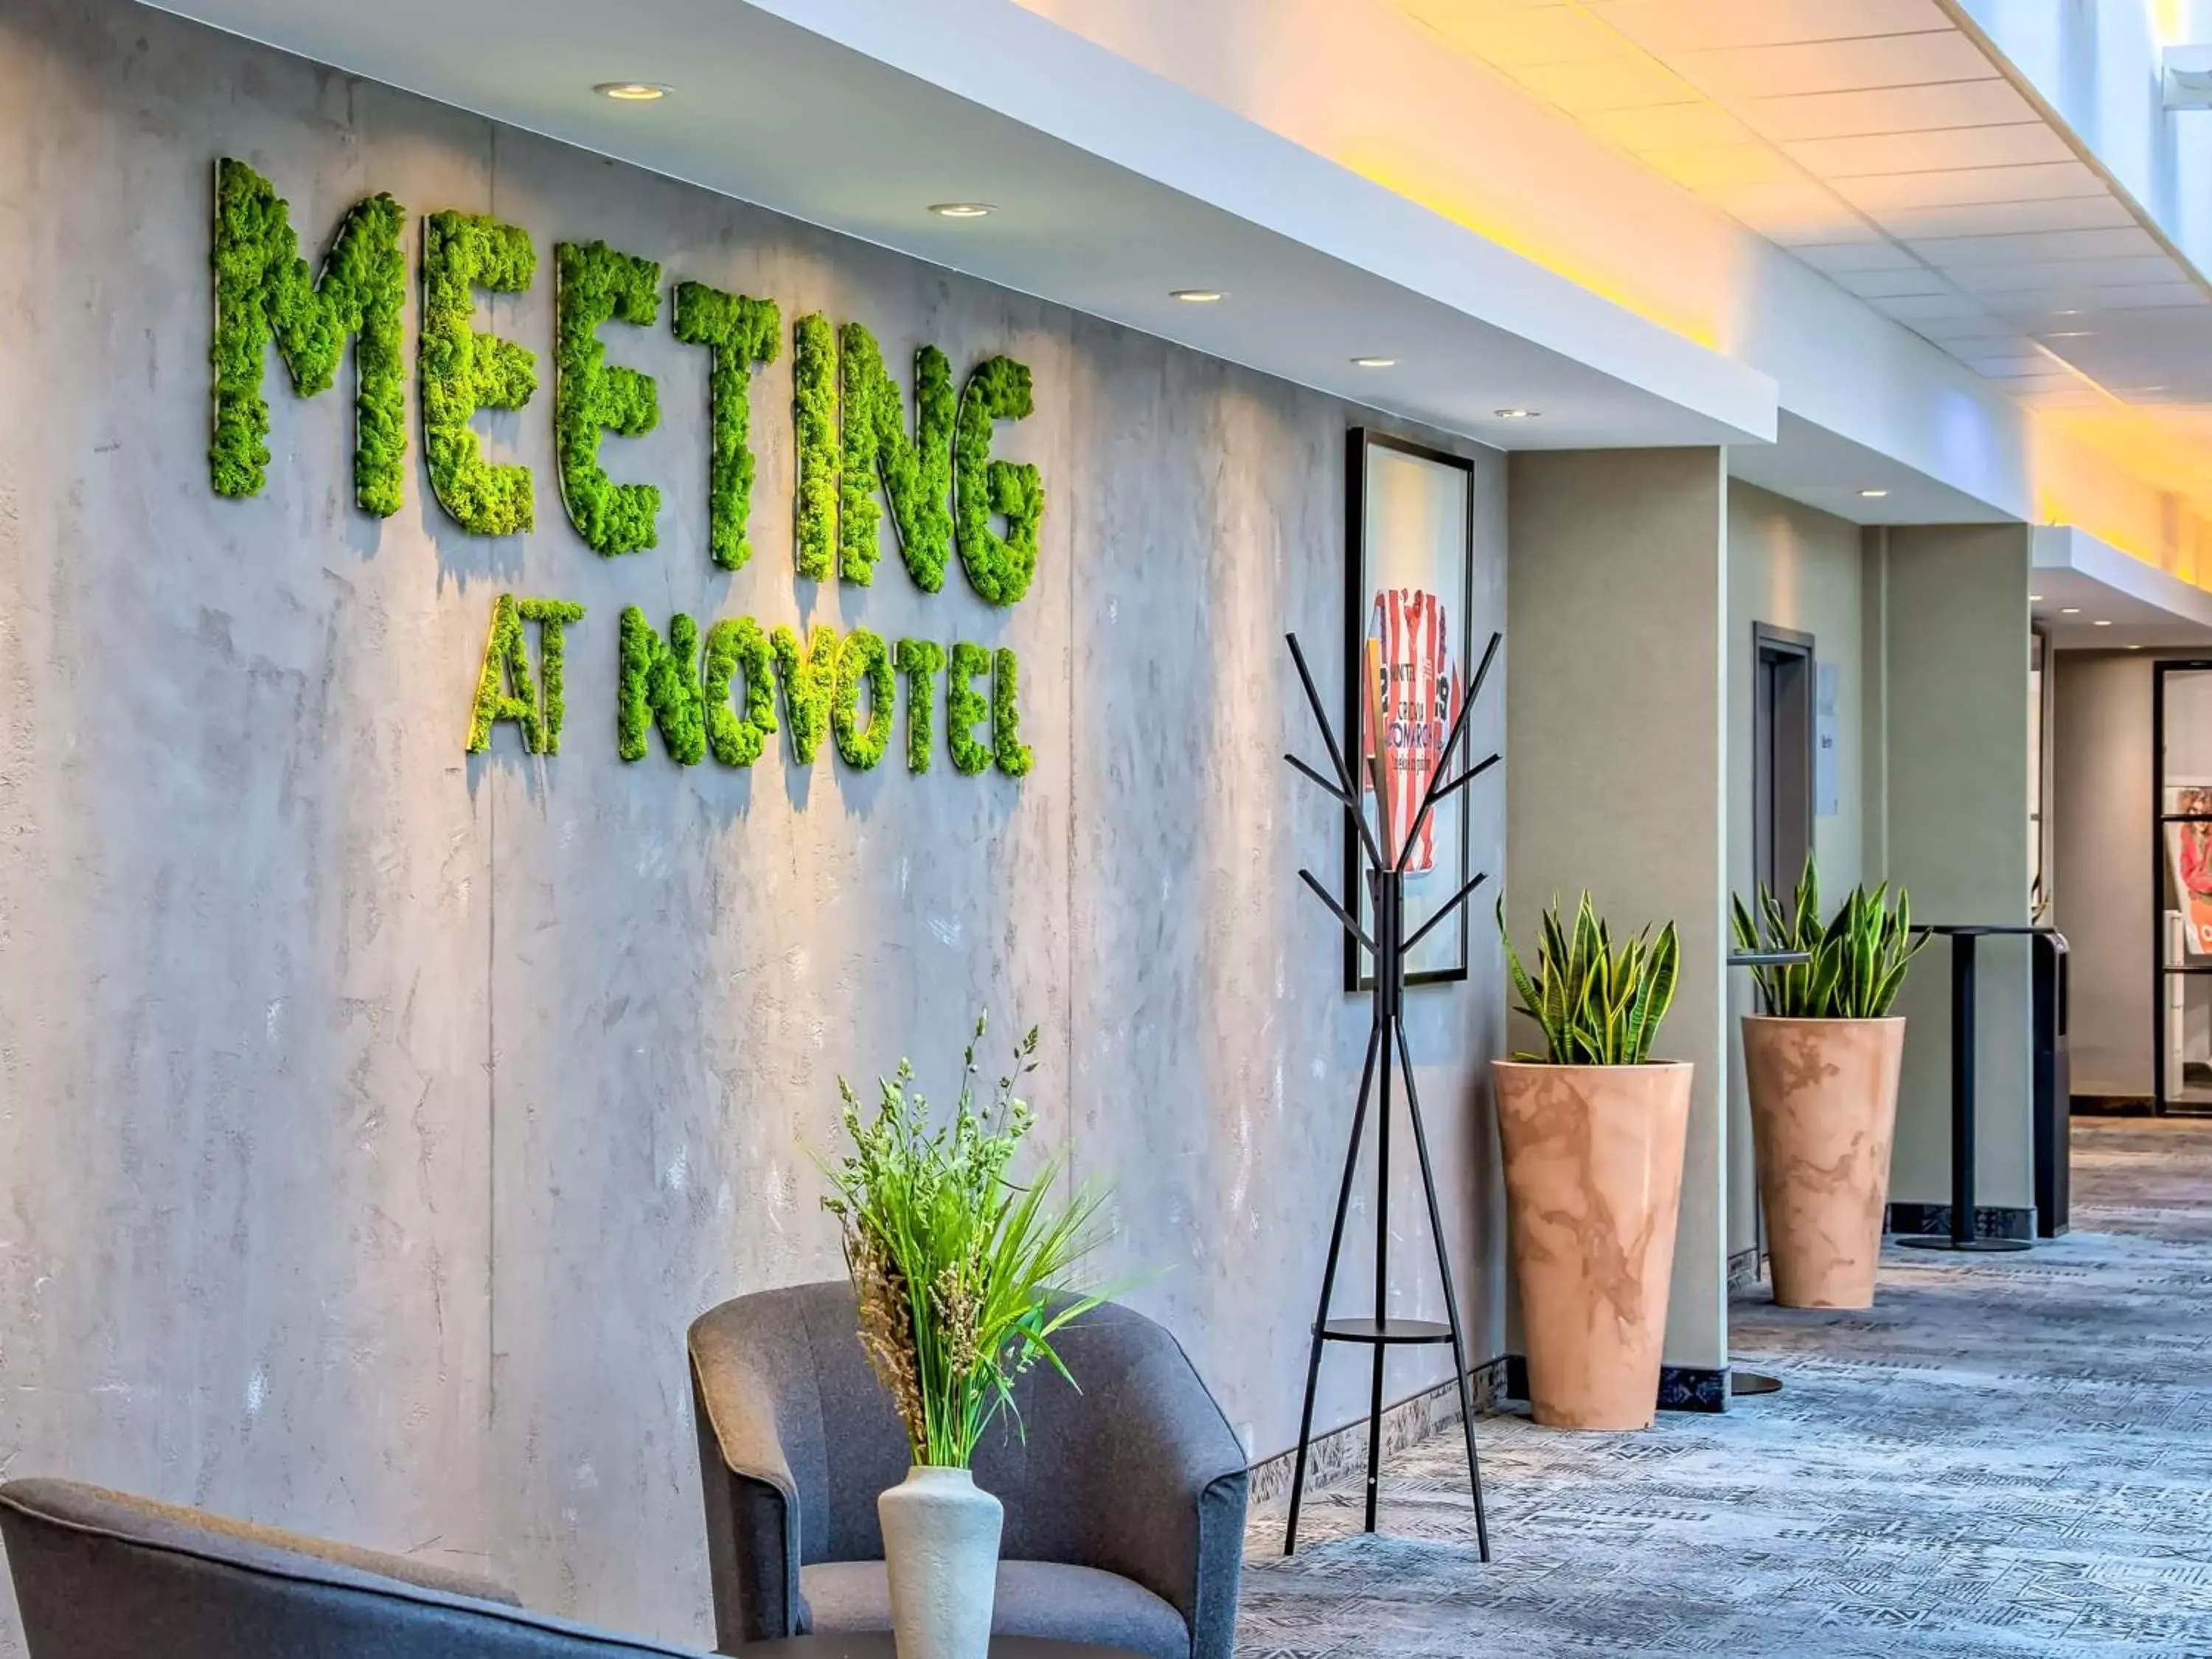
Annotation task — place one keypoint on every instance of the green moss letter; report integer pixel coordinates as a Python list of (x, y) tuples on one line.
[(809, 683), (919, 660), (740, 333), (661, 687), (1006, 746), (964, 707), (916, 473), (864, 659), (737, 647), (596, 285), (263, 291), (505, 689), (999, 568), (814, 413), (463, 371)]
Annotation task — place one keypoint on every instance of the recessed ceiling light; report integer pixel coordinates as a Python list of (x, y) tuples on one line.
[(2150, 388), (2068, 334), (632, 92), (1873, 495), (1196, 296), (961, 210), (2101, 622), (1515, 414), (2075, 312), (1375, 362), (2069, 610), (2035, 599)]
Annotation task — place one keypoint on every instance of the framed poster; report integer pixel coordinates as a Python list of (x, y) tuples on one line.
[(1410, 576)]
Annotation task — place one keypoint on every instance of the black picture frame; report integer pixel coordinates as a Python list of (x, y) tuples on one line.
[(1359, 442)]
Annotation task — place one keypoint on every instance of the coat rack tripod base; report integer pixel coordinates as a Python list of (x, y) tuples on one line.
[(1389, 1059)]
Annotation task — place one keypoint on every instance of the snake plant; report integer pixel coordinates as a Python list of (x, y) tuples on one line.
[(1596, 1006), (1859, 954)]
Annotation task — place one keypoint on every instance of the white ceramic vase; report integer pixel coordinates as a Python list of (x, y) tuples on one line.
[(941, 1549)]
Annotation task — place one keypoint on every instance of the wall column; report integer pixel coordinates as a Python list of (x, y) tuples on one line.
[(1952, 602), (1615, 704)]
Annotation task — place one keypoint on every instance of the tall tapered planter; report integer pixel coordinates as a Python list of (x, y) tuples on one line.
[(1593, 1187), (1823, 1116)]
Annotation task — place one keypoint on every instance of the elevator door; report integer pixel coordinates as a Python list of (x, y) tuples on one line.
[(1780, 756)]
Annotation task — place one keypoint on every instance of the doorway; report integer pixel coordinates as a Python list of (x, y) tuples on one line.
[(1782, 757), (2181, 946)]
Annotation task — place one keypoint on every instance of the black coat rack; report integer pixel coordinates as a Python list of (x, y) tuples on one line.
[(1384, 866)]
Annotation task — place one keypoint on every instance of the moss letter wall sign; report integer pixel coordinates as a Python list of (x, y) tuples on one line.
[(999, 568), (743, 334), (593, 397), (463, 371), (263, 292), (505, 690)]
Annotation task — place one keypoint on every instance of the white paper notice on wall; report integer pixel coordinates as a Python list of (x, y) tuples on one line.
[(1826, 690)]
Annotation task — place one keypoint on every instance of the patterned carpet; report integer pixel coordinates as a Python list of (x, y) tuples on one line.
[(2010, 1454)]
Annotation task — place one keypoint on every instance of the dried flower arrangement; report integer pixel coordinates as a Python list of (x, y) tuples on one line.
[(961, 1272)]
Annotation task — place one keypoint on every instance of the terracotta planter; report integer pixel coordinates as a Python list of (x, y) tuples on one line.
[(1823, 1114), (1593, 1184)]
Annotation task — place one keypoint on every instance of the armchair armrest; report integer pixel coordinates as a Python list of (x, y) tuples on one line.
[(1164, 1482), (751, 1500)]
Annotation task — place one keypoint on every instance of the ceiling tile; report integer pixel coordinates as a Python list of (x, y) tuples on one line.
[(1525, 36), (1673, 26), (1857, 256), (1930, 152), (1607, 83), (2026, 363), (1890, 284), (1666, 126), (1915, 307), (1887, 109), (1897, 60), (1884, 192), (1792, 211), (2070, 276), (1710, 166), (2125, 241), (2004, 218)]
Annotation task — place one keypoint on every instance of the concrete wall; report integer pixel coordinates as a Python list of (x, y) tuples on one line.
[(1791, 567), (374, 1117), (1617, 770), (1950, 782)]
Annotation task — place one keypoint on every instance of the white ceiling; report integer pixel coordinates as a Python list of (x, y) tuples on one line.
[(1886, 145), (2086, 594), (1112, 185)]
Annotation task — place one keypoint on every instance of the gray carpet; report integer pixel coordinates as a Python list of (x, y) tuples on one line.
[(2010, 1454)]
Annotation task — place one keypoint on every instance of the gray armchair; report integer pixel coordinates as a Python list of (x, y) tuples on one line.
[(1125, 1502), (100, 1575)]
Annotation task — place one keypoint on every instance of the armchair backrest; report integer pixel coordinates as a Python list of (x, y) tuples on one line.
[(103, 1575), (790, 1361)]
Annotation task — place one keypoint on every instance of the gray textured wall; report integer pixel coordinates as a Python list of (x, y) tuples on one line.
[(1953, 601), (1794, 566), (372, 1118), (1614, 712)]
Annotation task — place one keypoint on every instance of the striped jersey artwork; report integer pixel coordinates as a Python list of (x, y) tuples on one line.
[(1421, 694)]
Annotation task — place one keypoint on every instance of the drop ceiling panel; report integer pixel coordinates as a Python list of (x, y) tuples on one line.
[(1889, 60), (1667, 26), (1886, 109), (1888, 148), (2037, 182), (2012, 145)]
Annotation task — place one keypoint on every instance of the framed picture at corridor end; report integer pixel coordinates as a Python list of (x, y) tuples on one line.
[(1410, 531)]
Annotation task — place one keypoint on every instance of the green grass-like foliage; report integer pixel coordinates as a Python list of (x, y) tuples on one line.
[(506, 689), (863, 658), (814, 415), (917, 472), (961, 1270), (595, 285), (1860, 955), (737, 647), (659, 686), (999, 568), (741, 334), (809, 674), (965, 706), (920, 661), (1006, 746), (1596, 1006), (264, 291), (463, 371)]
